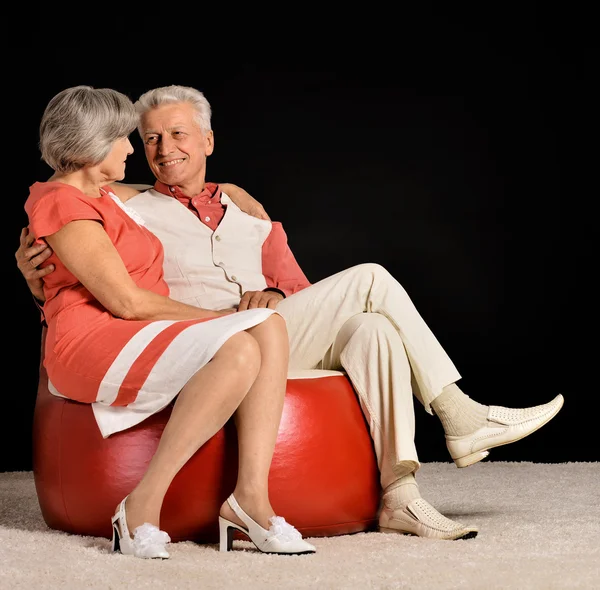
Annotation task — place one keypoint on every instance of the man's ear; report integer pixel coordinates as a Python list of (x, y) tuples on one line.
[(209, 138)]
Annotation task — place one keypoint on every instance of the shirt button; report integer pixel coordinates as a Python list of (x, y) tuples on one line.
[(234, 278), (172, 189), (207, 219), (218, 238)]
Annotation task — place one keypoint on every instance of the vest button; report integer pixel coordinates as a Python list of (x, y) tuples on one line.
[(234, 278), (218, 238)]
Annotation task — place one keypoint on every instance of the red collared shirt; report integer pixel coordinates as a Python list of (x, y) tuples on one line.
[(279, 266)]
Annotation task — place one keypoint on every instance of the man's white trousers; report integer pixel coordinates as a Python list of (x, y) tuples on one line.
[(362, 321)]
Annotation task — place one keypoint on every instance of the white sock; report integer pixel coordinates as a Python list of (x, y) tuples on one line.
[(458, 413), (401, 492)]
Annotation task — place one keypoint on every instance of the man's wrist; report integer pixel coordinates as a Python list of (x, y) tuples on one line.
[(275, 290), (39, 300), (40, 305)]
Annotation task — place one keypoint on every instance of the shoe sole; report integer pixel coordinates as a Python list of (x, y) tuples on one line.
[(483, 453), (463, 537), (226, 540)]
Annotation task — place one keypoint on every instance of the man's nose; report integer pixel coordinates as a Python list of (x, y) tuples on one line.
[(166, 145)]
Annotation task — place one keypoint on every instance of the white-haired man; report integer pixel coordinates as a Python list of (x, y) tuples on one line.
[(360, 320)]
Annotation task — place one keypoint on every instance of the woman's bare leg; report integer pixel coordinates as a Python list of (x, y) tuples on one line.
[(201, 409), (257, 421)]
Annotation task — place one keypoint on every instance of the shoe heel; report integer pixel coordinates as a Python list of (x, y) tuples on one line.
[(116, 546), (226, 532), (471, 459), (264, 540)]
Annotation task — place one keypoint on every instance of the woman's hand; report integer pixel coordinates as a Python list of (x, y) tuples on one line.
[(246, 202)]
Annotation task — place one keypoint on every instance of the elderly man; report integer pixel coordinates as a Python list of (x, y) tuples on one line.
[(360, 320)]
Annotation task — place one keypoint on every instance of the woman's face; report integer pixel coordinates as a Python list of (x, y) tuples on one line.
[(113, 166)]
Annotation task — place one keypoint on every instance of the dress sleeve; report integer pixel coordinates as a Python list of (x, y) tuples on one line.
[(56, 208), (280, 268)]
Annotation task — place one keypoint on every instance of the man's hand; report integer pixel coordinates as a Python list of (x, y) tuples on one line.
[(247, 203), (254, 299), (29, 259)]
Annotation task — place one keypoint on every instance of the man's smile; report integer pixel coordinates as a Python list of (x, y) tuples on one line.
[(171, 162)]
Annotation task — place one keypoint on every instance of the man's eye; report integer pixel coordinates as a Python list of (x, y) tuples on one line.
[(151, 140)]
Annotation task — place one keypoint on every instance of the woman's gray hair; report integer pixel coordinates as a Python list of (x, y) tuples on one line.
[(174, 94), (81, 124)]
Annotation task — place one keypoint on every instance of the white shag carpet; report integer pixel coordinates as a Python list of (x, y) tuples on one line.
[(539, 528)]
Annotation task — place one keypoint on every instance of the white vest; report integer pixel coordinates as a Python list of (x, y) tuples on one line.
[(204, 268)]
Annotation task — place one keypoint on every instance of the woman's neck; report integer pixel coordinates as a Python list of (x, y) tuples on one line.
[(80, 180)]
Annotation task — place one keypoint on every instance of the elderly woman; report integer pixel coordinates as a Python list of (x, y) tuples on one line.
[(117, 341)]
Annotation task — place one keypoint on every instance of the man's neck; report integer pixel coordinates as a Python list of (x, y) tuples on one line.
[(192, 189)]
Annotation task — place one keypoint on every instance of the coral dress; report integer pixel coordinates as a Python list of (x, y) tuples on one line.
[(127, 369)]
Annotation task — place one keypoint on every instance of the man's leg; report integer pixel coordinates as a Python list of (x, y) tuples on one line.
[(316, 314), (370, 351)]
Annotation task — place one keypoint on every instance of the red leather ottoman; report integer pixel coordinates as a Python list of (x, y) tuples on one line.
[(324, 477)]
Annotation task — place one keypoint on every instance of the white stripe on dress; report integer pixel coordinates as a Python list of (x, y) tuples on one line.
[(186, 354), (116, 373)]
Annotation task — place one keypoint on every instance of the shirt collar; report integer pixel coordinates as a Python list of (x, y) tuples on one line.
[(211, 192)]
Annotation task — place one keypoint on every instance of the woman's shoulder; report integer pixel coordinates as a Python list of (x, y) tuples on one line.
[(49, 191), (55, 187), (40, 189)]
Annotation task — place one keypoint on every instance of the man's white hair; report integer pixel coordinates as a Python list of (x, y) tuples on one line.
[(174, 94)]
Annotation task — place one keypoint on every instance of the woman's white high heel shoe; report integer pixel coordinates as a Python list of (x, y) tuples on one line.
[(148, 540), (281, 537)]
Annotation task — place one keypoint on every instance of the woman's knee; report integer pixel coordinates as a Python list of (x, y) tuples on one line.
[(277, 324), (274, 328), (242, 352)]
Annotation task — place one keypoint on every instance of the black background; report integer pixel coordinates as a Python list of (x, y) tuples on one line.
[(457, 150)]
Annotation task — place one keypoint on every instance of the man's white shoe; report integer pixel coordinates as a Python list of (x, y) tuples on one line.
[(418, 517), (504, 426)]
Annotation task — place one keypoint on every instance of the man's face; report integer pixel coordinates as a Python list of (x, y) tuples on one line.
[(176, 148)]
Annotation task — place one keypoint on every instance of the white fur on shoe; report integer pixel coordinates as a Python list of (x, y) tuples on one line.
[(148, 541), (504, 426), (418, 517), (281, 537)]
